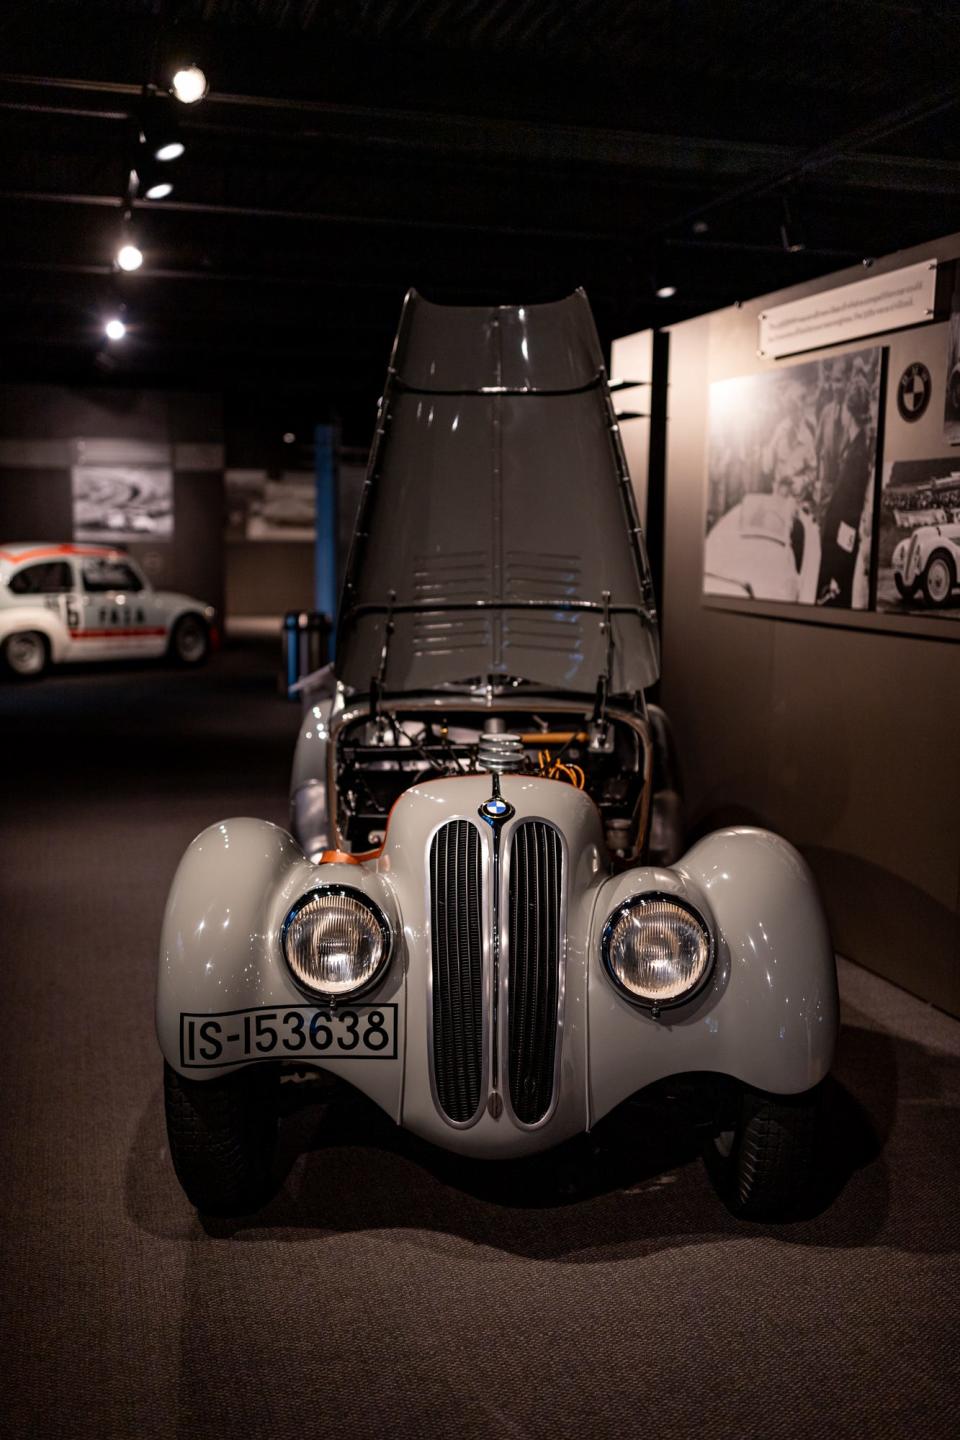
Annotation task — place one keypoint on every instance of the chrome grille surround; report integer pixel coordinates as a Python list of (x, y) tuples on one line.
[(534, 922), (459, 971)]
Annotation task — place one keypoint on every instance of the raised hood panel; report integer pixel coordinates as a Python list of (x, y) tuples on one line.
[(497, 531)]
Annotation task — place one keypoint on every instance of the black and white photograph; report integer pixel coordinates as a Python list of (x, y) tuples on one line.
[(951, 402), (791, 482), (270, 504), (918, 563), (120, 503)]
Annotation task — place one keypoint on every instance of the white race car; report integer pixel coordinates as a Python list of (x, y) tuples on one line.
[(765, 548), (63, 603), (929, 561)]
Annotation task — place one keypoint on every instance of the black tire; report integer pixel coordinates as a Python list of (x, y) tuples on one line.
[(26, 654), (938, 579), (760, 1151), (190, 640), (906, 592), (223, 1137)]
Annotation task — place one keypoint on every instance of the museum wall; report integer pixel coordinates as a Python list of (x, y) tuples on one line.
[(47, 432), (838, 729)]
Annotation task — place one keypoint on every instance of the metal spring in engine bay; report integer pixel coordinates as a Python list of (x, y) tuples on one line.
[(500, 752)]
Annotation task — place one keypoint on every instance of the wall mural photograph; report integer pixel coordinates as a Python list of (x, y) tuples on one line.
[(918, 562), (792, 481), (115, 504), (951, 407)]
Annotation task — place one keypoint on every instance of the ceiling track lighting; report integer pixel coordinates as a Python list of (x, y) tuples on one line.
[(129, 256), (189, 84), (791, 232), (114, 329)]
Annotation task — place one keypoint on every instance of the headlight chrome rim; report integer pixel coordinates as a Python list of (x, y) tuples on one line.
[(353, 892), (634, 902)]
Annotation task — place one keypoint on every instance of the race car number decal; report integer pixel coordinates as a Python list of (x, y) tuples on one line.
[(289, 1032)]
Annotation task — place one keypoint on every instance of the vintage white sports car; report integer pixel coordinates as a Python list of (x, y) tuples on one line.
[(478, 920), (64, 603), (764, 548), (928, 561)]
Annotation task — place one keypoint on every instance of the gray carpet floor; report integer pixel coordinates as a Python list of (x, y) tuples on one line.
[(387, 1289)]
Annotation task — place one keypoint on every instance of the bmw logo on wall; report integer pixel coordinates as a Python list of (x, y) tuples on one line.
[(914, 390)]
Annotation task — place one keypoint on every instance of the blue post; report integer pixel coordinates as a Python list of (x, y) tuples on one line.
[(325, 556)]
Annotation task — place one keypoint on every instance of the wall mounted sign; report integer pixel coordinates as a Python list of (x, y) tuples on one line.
[(892, 301), (791, 482), (914, 391)]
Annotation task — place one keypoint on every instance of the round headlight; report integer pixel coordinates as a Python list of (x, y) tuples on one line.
[(336, 941), (657, 950)]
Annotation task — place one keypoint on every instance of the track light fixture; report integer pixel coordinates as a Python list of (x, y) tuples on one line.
[(129, 256), (189, 84), (791, 233), (115, 329), (159, 131), (665, 292)]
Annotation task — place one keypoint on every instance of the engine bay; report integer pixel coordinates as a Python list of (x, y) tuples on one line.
[(375, 758)]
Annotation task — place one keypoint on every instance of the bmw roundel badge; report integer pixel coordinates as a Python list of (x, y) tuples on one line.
[(496, 809)]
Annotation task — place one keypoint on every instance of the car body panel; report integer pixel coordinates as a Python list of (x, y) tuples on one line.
[(476, 554), (768, 1015)]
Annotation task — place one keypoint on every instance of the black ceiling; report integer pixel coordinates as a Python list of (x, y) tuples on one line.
[(481, 150)]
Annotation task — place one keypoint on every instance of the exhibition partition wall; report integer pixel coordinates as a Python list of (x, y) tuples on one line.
[(135, 468), (810, 610)]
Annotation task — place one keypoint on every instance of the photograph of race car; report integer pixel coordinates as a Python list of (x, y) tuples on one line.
[(805, 440), (919, 556)]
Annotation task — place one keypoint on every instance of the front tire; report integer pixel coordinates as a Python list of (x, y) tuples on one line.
[(223, 1137), (938, 580), (905, 591), (760, 1151), (26, 654), (190, 641)]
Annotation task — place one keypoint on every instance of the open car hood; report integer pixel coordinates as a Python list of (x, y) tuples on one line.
[(497, 538)]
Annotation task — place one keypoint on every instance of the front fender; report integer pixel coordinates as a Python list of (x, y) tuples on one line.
[(220, 944), (769, 1015)]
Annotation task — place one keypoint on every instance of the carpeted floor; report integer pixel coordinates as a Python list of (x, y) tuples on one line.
[(388, 1290)]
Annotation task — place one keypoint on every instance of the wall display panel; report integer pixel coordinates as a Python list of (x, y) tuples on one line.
[(951, 406), (116, 504), (792, 461), (270, 505), (918, 567)]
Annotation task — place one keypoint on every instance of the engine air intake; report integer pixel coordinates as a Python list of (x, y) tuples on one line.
[(455, 927), (534, 985)]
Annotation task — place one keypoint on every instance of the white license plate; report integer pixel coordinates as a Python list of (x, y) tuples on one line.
[(289, 1032)]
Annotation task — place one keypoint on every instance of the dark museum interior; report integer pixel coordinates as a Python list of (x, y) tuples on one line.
[(480, 597)]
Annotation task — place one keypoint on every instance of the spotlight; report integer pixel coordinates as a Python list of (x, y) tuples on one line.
[(665, 292), (129, 257), (170, 150), (158, 190), (288, 437), (190, 84), (115, 328)]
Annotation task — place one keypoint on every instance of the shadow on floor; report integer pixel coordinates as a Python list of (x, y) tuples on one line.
[(635, 1185)]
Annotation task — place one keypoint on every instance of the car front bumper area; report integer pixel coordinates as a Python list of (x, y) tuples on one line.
[(495, 1030)]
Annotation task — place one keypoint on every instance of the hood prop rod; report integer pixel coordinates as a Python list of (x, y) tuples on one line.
[(376, 681), (605, 679)]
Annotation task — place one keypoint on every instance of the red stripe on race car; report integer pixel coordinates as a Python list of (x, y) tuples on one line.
[(117, 632)]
